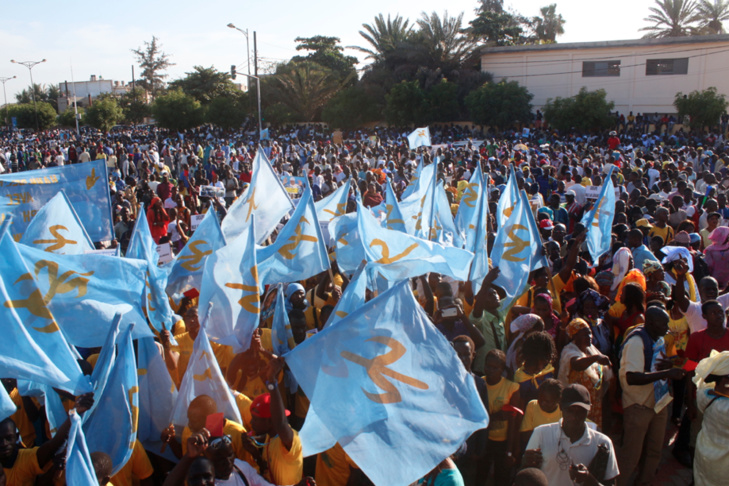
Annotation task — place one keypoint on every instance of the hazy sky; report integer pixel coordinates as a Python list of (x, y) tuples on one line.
[(97, 37)]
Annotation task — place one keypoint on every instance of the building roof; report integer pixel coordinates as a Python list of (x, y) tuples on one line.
[(666, 41)]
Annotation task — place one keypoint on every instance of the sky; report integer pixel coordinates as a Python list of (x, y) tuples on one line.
[(80, 38)]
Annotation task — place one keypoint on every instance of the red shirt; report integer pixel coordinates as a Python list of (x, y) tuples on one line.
[(700, 345), (613, 142)]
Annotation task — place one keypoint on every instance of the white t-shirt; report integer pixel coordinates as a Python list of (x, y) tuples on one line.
[(254, 479), (695, 318), (552, 441)]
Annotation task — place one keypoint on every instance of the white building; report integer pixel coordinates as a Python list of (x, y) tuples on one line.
[(86, 91), (642, 76)]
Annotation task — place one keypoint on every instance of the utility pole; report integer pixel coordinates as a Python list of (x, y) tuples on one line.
[(5, 80)]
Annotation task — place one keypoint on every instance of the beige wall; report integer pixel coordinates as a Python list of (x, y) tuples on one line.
[(552, 73)]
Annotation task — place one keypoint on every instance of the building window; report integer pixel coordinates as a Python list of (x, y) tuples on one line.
[(655, 67), (600, 69)]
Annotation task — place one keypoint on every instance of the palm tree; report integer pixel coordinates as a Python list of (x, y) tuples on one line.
[(671, 18), (384, 36), (305, 87), (712, 15), (445, 38), (549, 25)]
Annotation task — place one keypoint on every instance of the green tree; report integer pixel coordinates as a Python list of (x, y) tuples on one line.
[(549, 25), (25, 115), (351, 108), (704, 108), (498, 26), (327, 52), (586, 111), (405, 104), (67, 119), (104, 113), (206, 84), (712, 15), (43, 94), (443, 105), (671, 18), (228, 111), (445, 39), (383, 36), (177, 111), (153, 63), (134, 106), (305, 88), (502, 104)]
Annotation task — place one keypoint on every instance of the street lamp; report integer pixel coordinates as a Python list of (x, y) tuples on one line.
[(248, 50), (5, 80), (258, 92), (30, 65)]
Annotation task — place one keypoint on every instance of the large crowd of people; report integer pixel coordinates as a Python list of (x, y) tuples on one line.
[(584, 375)]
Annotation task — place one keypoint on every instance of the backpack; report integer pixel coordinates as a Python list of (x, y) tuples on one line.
[(647, 347)]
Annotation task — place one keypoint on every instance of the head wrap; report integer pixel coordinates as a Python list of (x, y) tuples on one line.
[(523, 323), (651, 266), (634, 276), (546, 297), (605, 278), (716, 364), (720, 239), (621, 264), (575, 326), (682, 238), (598, 299), (673, 253)]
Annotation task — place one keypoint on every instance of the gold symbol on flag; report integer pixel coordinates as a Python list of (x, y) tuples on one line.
[(249, 302), (60, 240), (341, 209), (419, 217), (134, 410), (386, 252), (206, 375), (391, 222), (516, 245), (193, 261), (285, 250), (470, 195), (91, 179), (251, 202), (341, 314), (377, 370), (596, 219), (421, 133), (508, 211)]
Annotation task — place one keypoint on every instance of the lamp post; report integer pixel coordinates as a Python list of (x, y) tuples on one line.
[(258, 91), (248, 49), (5, 80), (30, 65)]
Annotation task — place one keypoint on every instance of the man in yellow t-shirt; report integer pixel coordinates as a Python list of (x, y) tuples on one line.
[(137, 470), (282, 450), (544, 410), (334, 467)]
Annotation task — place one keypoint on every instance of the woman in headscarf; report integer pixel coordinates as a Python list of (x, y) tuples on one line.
[(622, 264), (520, 328), (711, 459), (582, 363), (717, 255), (158, 219), (543, 308), (590, 307)]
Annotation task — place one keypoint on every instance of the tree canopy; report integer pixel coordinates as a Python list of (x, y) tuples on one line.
[(586, 111), (154, 63), (205, 84), (704, 108)]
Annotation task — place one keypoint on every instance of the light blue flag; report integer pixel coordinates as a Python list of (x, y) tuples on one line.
[(398, 256), (55, 412), (157, 393), (265, 197), (414, 183), (393, 216), (7, 406), (27, 301), (467, 217), (352, 298), (417, 208), (480, 265), (599, 220), (507, 200), (378, 380), (187, 268), (335, 204), (299, 251), (23, 194), (106, 359), (79, 468), (203, 377), (142, 247), (419, 138), (118, 407), (517, 251), (445, 229), (282, 338), (57, 229), (85, 292), (348, 246), (231, 285)]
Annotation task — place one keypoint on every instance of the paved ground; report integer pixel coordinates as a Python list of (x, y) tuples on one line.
[(671, 473)]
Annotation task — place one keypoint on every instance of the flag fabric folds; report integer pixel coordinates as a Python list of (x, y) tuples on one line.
[(348, 245), (352, 298), (231, 285), (56, 228), (517, 251), (157, 393), (265, 197), (118, 405), (187, 268), (282, 337), (480, 265), (335, 204), (299, 251), (203, 377), (377, 379), (397, 256), (599, 220), (414, 183), (419, 138), (445, 229), (23, 297), (467, 217), (7, 406), (509, 198), (22, 194), (85, 292), (393, 216), (79, 468)]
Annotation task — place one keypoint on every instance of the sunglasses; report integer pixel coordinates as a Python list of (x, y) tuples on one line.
[(220, 442)]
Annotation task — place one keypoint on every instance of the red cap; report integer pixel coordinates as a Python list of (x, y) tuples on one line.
[(546, 224), (261, 406), (192, 293)]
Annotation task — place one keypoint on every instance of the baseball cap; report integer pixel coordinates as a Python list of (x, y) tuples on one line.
[(571, 395), (546, 224), (643, 223), (261, 406)]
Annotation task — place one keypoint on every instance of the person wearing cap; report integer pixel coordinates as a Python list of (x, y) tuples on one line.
[(281, 446), (563, 450), (545, 228), (640, 252)]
